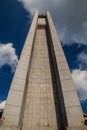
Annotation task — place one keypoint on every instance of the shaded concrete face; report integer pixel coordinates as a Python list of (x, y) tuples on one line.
[(42, 95), (68, 98)]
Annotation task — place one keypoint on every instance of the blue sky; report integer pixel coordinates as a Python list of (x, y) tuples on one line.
[(70, 19), (14, 25)]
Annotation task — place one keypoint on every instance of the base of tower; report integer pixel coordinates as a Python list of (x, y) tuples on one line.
[(77, 128), (5, 127)]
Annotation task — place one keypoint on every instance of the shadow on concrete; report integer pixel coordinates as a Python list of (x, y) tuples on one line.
[(58, 97)]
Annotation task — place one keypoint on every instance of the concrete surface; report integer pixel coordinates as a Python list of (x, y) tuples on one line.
[(39, 107)]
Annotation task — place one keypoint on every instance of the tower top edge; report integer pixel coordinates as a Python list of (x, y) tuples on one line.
[(42, 15)]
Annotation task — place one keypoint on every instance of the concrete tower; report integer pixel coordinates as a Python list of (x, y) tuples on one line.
[(42, 94)]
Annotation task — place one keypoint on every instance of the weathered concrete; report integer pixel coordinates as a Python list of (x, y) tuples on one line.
[(39, 107), (78, 128), (6, 127)]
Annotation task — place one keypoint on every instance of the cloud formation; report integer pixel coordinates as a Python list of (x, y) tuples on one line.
[(70, 17), (8, 56), (82, 58), (80, 80)]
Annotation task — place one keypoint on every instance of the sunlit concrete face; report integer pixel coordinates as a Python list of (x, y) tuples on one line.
[(39, 106), (42, 94)]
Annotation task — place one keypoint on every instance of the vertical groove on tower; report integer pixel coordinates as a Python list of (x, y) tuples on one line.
[(70, 109)]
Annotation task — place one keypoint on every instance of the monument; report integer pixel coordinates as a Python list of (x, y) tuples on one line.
[(42, 95)]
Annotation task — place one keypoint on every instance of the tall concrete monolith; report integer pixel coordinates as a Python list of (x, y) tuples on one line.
[(42, 95)]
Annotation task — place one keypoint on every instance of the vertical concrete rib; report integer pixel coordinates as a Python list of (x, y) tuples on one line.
[(14, 104), (69, 96)]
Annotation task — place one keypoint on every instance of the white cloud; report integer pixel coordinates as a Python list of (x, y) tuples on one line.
[(82, 60), (82, 57), (80, 80), (2, 104), (8, 56), (68, 15)]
